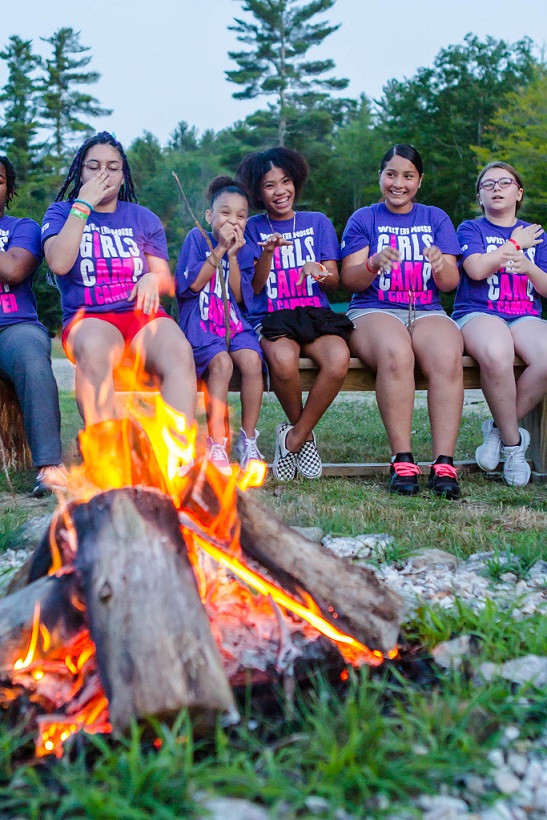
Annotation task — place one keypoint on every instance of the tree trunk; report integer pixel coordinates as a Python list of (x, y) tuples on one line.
[(14, 450)]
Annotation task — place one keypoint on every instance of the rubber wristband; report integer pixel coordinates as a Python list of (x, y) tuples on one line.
[(79, 214), (212, 261), (368, 266), (81, 209), (84, 203), (515, 243), (323, 268)]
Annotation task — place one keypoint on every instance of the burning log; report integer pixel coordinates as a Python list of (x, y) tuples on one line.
[(348, 596), (53, 599), (155, 650)]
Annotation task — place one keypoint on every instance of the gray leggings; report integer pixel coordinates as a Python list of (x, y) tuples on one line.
[(25, 361)]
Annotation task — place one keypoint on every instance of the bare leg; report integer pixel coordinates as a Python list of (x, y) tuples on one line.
[(283, 358), (383, 343), (438, 346), (218, 378), (489, 341), (96, 347), (249, 364), (331, 354), (530, 338), (166, 352)]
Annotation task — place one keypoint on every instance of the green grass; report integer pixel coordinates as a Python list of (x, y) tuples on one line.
[(367, 747)]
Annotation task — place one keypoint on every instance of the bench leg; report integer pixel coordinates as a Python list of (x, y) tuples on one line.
[(536, 424)]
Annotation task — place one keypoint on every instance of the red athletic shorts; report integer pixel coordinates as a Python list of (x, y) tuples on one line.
[(128, 322)]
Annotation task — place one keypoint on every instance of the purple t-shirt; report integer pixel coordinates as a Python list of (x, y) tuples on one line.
[(201, 313), (411, 233), (313, 240), (17, 302), (504, 294), (112, 256)]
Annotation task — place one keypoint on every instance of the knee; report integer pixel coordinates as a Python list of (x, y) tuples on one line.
[(250, 364), (93, 359), (396, 361), (284, 363), (221, 366), (495, 362), (337, 363)]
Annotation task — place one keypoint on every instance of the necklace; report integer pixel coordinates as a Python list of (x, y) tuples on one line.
[(283, 220)]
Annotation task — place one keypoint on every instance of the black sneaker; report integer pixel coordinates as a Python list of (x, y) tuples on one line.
[(404, 475), (443, 478)]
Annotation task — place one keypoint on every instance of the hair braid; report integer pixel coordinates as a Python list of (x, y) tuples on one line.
[(127, 191), (11, 188)]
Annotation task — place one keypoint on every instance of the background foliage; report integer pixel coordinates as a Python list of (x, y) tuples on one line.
[(479, 100)]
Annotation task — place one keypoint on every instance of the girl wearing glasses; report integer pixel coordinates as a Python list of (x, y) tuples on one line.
[(110, 258), (498, 309), (397, 257)]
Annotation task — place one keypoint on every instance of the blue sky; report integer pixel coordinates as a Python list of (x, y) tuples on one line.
[(162, 62)]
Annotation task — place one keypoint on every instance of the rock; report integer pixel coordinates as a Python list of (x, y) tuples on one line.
[(528, 669), (442, 807), (317, 805), (506, 781), (232, 808), (540, 800), (499, 811), (359, 546), (432, 559), (311, 533), (451, 654)]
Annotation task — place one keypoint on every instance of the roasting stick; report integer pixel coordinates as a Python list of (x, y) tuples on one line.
[(219, 268)]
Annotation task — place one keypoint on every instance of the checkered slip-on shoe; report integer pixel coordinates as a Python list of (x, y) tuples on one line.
[(284, 463), (308, 460)]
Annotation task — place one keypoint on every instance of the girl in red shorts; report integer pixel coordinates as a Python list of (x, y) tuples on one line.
[(110, 258)]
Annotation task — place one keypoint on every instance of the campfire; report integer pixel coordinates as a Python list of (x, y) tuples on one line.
[(162, 585)]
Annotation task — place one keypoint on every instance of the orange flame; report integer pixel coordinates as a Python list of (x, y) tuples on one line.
[(35, 632)]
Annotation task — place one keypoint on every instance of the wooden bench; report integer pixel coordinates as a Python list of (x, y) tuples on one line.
[(360, 378)]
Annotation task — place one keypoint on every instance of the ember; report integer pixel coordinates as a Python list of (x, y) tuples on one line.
[(160, 581)]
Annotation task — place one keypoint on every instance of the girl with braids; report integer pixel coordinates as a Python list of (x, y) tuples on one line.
[(296, 255), (202, 318), (25, 346), (110, 258)]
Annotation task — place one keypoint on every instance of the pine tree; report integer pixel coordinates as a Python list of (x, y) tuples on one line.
[(19, 99), (62, 103), (275, 63)]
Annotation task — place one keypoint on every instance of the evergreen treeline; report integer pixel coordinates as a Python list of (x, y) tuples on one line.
[(479, 100)]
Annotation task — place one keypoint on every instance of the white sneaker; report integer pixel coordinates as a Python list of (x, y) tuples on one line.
[(218, 457), (516, 470), (247, 449), (488, 454)]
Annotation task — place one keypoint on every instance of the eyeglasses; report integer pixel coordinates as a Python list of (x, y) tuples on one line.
[(504, 182), (94, 165)]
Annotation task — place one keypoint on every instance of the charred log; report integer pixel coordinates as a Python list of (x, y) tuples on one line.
[(366, 609), (155, 650)]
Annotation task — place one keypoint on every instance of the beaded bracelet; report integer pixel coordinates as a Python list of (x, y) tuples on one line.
[(212, 261), (85, 203), (515, 243), (78, 213)]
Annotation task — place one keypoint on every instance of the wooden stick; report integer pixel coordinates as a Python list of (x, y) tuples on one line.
[(219, 269)]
